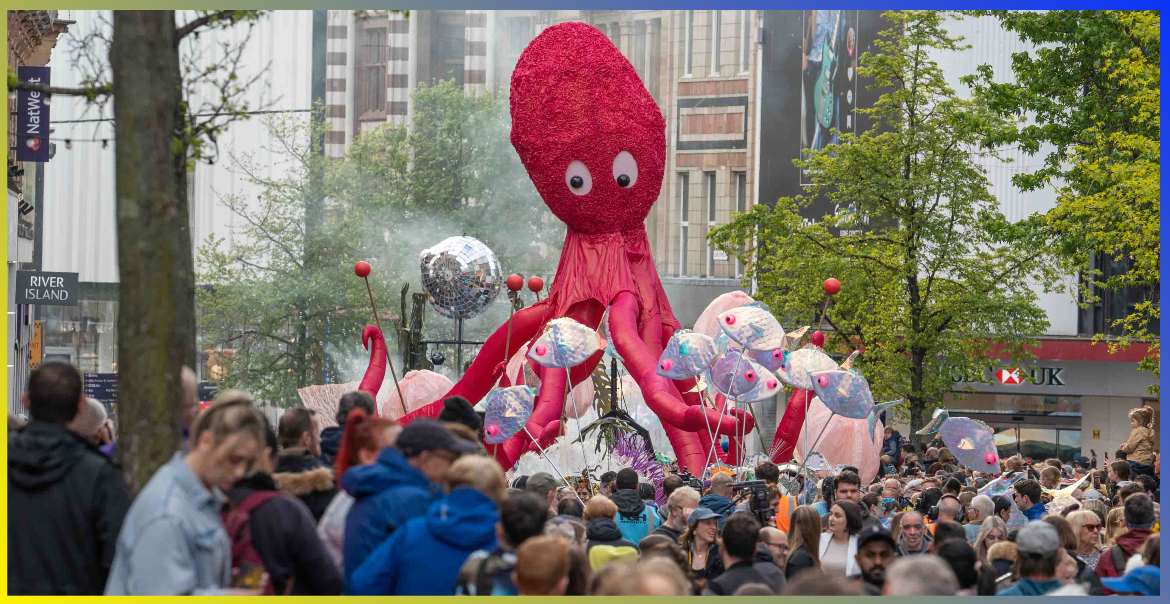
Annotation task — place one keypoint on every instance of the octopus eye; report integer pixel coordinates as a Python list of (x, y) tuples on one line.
[(578, 178), (823, 381), (667, 365), (772, 384), (749, 375), (729, 319), (625, 170)]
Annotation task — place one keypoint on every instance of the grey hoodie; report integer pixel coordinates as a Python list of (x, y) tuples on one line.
[(173, 541)]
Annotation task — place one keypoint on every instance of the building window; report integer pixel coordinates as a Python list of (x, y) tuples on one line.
[(519, 35), (710, 176), (638, 51), (741, 207), (690, 43), (745, 40), (716, 27), (1114, 304), (615, 34), (684, 213), (653, 43), (371, 97)]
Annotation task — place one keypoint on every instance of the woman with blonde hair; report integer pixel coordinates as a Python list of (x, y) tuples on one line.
[(1139, 449), (946, 458), (1086, 526), (1114, 526), (992, 531), (804, 540)]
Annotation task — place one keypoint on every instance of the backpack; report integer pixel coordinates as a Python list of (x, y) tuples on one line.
[(246, 561), (634, 528)]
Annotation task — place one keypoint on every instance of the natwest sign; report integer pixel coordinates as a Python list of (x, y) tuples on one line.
[(32, 117)]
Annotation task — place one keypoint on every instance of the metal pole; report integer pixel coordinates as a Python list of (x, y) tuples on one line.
[(459, 347)]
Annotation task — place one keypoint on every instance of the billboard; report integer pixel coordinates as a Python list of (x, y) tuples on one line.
[(809, 89)]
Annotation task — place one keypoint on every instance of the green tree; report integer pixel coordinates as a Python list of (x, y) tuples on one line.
[(933, 275), (1093, 91)]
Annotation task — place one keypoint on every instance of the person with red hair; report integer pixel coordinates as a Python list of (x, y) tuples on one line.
[(363, 439)]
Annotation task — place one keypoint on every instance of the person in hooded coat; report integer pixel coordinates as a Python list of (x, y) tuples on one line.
[(892, 444), (331, 436), (400, 485), (600, 526), (66, 500), (635, 518), (424, 557)]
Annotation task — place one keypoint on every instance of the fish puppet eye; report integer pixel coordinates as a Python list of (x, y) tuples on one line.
[(749, 375), (578, 178), (492, 430), (772, 384), (729, 319), (778, 355), (823, 381), (541, 350), (666, 365), (625, 170)]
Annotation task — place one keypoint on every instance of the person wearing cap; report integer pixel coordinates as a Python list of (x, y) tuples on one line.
[(1144, 580), (635, 519), (1039, 551), (699, 542), (543, 485), (876, 551), (1139, 519), (400, 485)]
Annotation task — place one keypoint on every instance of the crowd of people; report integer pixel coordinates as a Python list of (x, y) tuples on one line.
[(371, 507)]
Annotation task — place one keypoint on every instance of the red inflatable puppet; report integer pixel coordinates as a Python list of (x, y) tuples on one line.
[(594, 144)]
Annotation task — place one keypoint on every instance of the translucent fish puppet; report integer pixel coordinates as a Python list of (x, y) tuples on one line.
[(766, 388), (687, 354), (507, 410), (798, 364), (774, 360), (734, 375), (752, 327), (566, 343), (972, 442), (936, 422), (877, 410), (603, 329), (843, 392)]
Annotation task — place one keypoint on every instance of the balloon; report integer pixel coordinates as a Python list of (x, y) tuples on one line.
[(832, 286), (515, 282), (419, 387), (535, 284), (846, 441), (362, 269), (817, 339)]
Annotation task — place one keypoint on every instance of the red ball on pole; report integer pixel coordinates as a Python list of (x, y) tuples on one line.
[(832, 286), (515, 282), (818, 339), (362, 269), (536, 284)]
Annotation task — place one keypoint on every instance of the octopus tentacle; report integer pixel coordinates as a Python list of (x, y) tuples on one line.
[(376, 371), (656, 390), (788, 428)]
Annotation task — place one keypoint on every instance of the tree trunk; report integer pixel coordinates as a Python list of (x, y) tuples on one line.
[(156, 303)]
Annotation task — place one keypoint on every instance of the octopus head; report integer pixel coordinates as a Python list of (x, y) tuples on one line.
[(590, 135)]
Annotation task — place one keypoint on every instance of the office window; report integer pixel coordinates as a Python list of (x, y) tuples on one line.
[(716, 27), (745, 39), (690, 43), (684, 214), (711, 189), (653, 42), (615, 34), (741, 207), (371, 97), (638, 51)]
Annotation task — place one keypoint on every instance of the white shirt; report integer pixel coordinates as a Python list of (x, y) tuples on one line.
[(837, 558)]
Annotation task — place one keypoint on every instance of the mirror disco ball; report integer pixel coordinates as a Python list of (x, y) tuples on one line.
[(461, 276)]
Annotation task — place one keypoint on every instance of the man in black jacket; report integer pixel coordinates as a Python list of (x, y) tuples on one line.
[(66, 500), (331, 436), (299, 472), (285, 535), (738, 548)]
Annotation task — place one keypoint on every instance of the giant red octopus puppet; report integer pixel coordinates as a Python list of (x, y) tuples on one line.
[(594, 144)]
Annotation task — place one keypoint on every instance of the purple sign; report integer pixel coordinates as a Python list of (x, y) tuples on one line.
[(32, 118)]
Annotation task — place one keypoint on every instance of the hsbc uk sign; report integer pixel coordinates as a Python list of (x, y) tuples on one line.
[(1040, 376)]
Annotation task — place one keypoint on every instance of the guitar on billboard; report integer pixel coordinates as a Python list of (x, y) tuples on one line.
[(823, 92)]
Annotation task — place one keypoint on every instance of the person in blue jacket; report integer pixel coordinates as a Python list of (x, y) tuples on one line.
[(717, 500), (401, 485), (424, 556)]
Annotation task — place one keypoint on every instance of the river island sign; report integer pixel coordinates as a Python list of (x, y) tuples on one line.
[(38, 287)]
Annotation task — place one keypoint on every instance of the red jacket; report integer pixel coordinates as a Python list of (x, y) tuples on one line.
[(1129, 542)]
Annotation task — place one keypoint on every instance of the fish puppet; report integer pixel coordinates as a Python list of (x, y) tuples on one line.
[(566, 343), (753, 328), (843, 392), (936, 422), (766, 388), (508, 409), (798, 364), (734, 375), (972, 442), (687, 354)]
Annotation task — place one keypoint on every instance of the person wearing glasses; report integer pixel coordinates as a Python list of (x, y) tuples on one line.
[(1086, 525), (777, 543)]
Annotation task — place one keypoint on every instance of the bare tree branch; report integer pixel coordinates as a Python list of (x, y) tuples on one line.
[(191, 27)]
